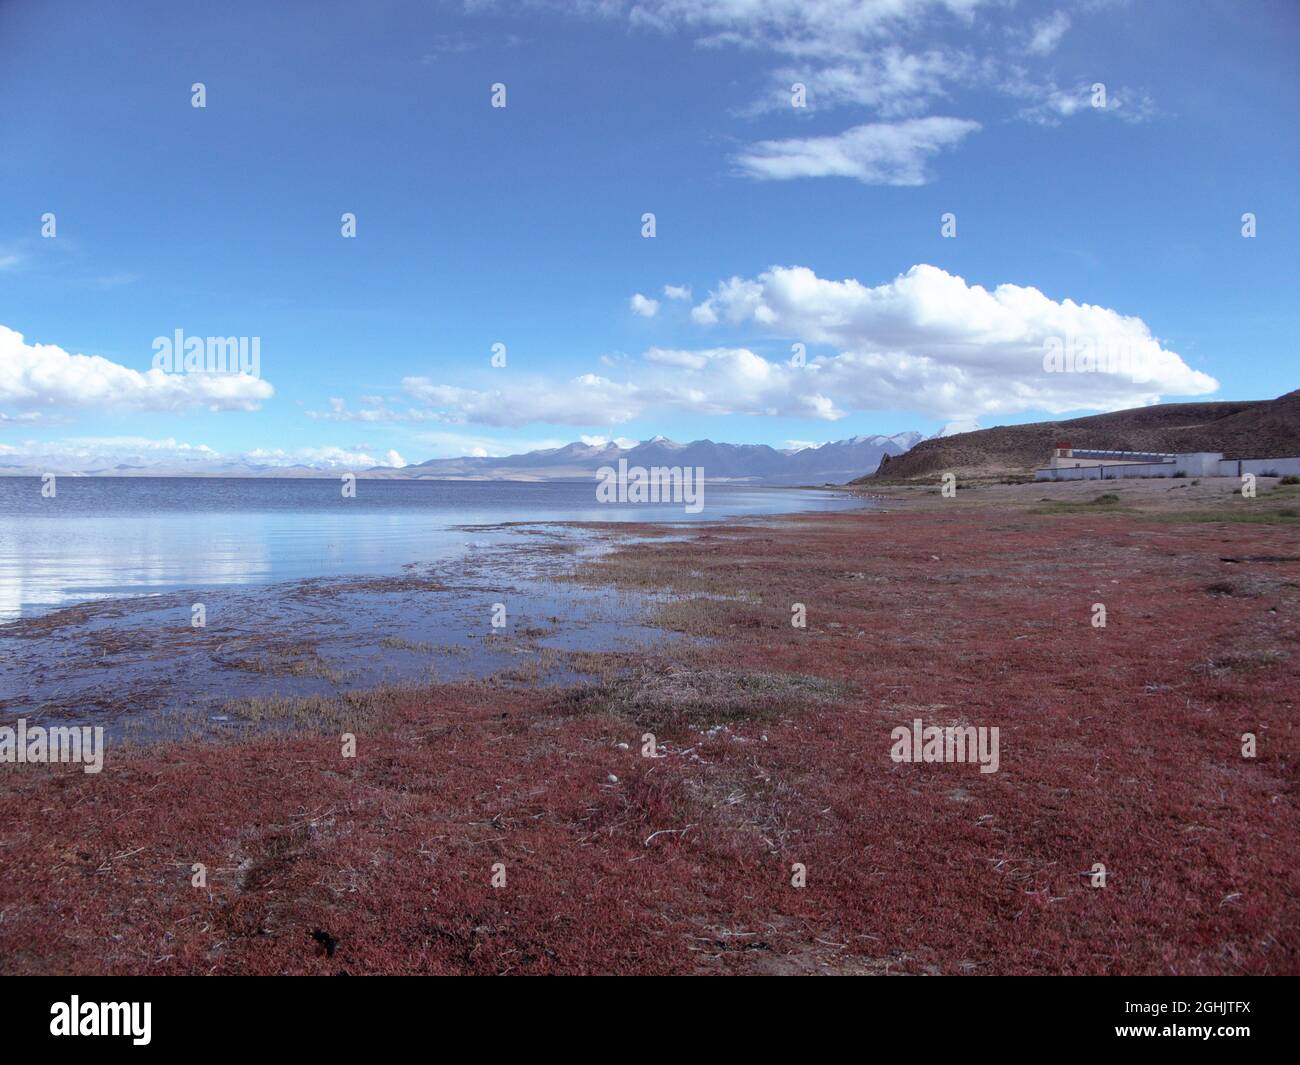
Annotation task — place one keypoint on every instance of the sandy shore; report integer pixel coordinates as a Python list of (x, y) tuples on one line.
[(1120, 747)]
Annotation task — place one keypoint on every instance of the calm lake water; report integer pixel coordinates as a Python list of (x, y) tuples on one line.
[(110, 537)]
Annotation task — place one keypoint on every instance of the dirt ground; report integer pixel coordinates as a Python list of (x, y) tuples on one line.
[(490, 828), (1150, 495)]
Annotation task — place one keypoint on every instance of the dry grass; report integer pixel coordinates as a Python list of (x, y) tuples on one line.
[(670, 700), (320, 714)]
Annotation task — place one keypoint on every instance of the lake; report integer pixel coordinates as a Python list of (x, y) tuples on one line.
[(305, 593), (105, 537)]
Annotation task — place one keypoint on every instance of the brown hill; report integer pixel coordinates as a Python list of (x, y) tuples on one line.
[(1246, 429)]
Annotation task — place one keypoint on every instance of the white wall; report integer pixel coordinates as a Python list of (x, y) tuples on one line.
[(1194, 464), (1094, 473), (1236, 467), (1199, 463)]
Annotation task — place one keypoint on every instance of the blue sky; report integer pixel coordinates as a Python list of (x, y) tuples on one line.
[(1118, 224)]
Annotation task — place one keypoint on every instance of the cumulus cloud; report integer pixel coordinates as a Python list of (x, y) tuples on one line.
[(677, 292), (927, 341), (877, 153), (930, 341), (46, 376), (643, 305)]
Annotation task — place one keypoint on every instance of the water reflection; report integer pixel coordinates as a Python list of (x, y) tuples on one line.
[(110, 537)]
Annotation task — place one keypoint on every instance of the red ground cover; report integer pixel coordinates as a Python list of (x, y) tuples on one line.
[(1119, 745)]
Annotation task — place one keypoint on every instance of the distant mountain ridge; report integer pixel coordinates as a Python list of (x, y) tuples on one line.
[(833, 463)]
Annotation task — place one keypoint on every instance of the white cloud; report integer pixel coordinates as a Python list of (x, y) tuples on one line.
[(83, 454), (1045, 34), (321, 458), (691, 360), (1047, 104), (677, 292), (891, 81), (585, 400), (644, 306), (712, 381), (893, 57), (811, 28), (960, 425), (929, 341), (44, 375), (879, 153)]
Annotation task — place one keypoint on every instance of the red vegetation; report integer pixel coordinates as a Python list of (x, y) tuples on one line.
[(1119, 745)]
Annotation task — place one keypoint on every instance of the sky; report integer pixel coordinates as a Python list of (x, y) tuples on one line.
[(973, 212)]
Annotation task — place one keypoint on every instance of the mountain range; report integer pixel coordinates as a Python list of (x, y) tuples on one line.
[(835, 463), (743, 463)]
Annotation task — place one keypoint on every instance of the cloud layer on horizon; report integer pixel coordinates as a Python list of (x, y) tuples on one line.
[(80, 454)]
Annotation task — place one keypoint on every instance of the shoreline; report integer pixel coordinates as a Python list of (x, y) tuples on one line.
[(773, 749)]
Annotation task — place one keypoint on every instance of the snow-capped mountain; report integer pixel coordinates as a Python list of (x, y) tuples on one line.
[(835, 462)]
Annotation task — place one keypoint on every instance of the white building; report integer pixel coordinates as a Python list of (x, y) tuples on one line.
[(1068, 464)]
